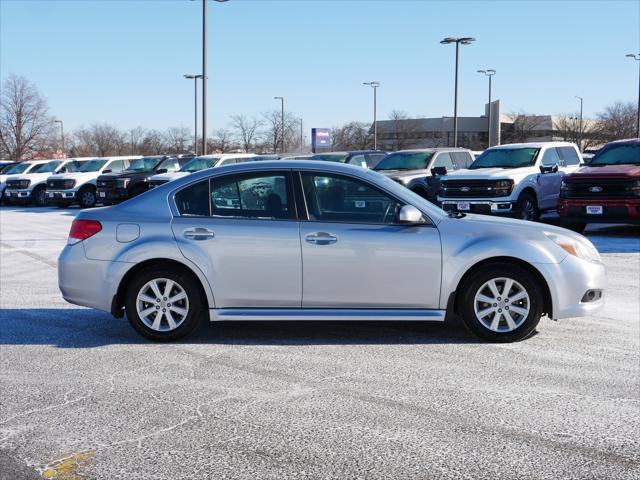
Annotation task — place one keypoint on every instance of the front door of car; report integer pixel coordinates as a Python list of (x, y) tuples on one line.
[(549, 181), (355, 254), (241, 231)]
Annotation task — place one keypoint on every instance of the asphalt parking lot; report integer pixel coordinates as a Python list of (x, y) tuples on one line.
[(83, 396)]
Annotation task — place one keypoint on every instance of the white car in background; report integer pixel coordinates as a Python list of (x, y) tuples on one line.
[(15, 169), (80, 186), (200, 163), (31, 187)]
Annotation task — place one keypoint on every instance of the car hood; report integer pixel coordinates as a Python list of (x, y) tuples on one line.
[(74, 176), (113, 176), (609, 171), (34, 177), (170, 176), (492, 173)]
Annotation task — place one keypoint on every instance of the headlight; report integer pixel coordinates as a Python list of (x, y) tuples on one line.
[(503, 187), (123, 182), (580, 248), (69, 184), (564, 189), (24, 183)]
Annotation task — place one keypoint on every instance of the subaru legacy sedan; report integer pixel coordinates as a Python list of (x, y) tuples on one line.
[(306, 240)]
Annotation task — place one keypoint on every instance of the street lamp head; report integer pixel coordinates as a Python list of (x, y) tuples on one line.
[(372, 84), (278, 98), (448, 40), (633, 55), (488, 72), (462, 40), (579, 98), (466, 40)]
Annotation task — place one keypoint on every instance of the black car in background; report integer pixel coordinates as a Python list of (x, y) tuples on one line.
[(117, 187), (361, 158)]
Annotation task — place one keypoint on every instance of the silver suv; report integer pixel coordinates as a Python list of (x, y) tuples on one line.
[(306, 240), (420, 170)]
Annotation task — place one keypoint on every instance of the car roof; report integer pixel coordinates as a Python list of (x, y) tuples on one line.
[(626, 141), (533, 145), (434, 149)]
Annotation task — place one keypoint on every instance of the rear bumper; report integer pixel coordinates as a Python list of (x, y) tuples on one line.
[(613, 211), (568, 283)]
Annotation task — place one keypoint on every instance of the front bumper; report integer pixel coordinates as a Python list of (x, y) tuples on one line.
[(568, 283), (613, 211), (17, 195), (485, 207), (61, 195), (112, 194)]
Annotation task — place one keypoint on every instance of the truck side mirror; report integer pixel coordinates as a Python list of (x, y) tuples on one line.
[(438, 171), (548, 169)]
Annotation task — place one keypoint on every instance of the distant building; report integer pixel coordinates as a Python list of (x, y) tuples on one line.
[(473, 131)]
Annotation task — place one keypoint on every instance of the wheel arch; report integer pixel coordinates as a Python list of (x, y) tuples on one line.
[(454, 297), (117, 304)]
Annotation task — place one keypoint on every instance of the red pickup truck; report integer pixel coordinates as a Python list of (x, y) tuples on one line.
[(607, 190)]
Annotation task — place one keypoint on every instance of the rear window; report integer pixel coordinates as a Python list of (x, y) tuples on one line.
[(569, 155)]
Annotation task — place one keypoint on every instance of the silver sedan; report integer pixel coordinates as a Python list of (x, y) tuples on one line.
[(292, 240)]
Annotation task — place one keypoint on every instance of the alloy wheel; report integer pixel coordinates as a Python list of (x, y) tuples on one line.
[(502, 305), (162, 304), (88, 198)]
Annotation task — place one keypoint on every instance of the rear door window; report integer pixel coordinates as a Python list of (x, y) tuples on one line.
[(569, 155), (116, 166), (194, 200), (461, 159), (443, 160), (550, 157)]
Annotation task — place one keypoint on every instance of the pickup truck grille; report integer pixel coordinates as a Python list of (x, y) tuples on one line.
[(468, 188), (13, 184), (600, 189), (106, 183)]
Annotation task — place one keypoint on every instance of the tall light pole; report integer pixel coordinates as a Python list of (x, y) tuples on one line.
[(61, 134), (580, 124), (195, 109), (204, 75), (281, 122), (490, 72), (457, 41), (637, 58), (375, 86)]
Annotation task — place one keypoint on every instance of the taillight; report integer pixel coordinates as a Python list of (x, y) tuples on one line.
[(83, 229)]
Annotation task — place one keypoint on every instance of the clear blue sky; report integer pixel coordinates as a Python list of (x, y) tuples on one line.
[(121, 61)]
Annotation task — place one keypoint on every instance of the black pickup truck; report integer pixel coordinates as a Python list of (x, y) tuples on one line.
[(117, 187)]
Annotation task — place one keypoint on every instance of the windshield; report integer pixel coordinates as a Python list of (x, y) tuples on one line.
[(171, 164), (73, 166), (48, 167), (330, 157), (506, 158), (144, 164), (405, 161), (91, 166), (198, 163), (617, 155), (17, 168)]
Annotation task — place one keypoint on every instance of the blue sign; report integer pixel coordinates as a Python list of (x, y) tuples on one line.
[(320, 138)]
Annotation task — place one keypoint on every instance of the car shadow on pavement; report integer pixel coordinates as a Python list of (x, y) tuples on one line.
[(614, 238), (84, 328), (68, 211)]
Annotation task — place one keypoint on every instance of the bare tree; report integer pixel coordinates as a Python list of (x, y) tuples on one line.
[(26, 127), (221, 141), (617, 122), (524, 127), (178, 139), (352, 136), (273, 134), (246, 131), (153, 143), (400, 131)]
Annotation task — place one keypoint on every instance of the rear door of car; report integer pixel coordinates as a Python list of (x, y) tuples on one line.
[(549, 183), (241, 229)]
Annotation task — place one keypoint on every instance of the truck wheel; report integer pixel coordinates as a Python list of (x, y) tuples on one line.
[(501, 302), (87, 197), (164, 304), (39, 196), (527, 207)]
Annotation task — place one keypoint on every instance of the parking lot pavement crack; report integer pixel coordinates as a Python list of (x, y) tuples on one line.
[(30, 254), (33, 411)]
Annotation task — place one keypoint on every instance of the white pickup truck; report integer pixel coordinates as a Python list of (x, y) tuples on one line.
[(520, 179)]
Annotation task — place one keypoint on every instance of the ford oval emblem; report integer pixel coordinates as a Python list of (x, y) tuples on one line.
[(464, 189), (595, 189)]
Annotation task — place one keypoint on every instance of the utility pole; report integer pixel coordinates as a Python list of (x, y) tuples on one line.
[(62, 135), (637, 58), (580, 124), (489, 73), (281, 123), (375, 86), (457, 41)]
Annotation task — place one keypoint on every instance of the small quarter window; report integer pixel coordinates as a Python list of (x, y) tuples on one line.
[(194, 200)]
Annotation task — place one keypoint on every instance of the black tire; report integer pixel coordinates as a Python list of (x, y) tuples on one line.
[(527, 207), (87, 197), (526, 325), (195, 306), (39, 196)]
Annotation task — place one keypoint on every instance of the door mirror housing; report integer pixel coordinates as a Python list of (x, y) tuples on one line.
[(410, 215), (108, 170), (438, 171), (549, 168), (161, 170)]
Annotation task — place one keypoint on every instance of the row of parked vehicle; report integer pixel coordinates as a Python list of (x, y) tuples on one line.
[(521, 180)]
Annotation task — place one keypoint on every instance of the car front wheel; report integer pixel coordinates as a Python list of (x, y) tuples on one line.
[(163, 304), (502, 303), (87, 197), (527, 207), (39, 196)]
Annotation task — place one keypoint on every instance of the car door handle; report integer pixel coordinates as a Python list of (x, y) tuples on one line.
[(321, 238), (199, 233)]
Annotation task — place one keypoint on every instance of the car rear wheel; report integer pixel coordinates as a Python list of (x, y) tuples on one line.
[(87, 197), (39, 196), (502, 303), (527, 207), (163, 304)]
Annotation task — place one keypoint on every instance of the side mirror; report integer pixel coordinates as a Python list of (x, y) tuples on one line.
[(438, 171), (410, 215), (162, 170), (548, 169), (108, 170)]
